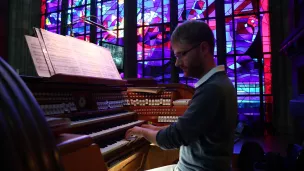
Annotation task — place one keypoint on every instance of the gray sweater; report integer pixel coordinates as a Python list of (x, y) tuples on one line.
[(205, 132)]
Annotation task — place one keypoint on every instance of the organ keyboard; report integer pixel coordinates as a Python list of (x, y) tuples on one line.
[(99, 112), (97, 122)]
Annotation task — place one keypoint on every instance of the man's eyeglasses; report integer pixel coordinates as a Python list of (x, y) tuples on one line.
[(184, 53)]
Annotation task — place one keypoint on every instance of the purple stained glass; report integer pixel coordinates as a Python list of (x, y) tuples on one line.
[(246, 29), (249, 105), (121, 14), (109, 37), (78, 26), (139, 12), (51, 21), (229, 36), (244, 6), (153, 69), (109, 12), (152, 42), (152, 12), (167, 69), (180, 9), (247, 70), (53, 5), (231, 68), (139, 69), (195, 9)]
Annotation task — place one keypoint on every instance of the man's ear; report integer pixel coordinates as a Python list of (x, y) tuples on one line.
[(204, 47)]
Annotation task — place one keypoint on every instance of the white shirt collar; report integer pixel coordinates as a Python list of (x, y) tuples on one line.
[(209, 74)]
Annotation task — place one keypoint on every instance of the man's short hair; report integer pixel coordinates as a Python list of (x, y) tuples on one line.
[(193, 32)]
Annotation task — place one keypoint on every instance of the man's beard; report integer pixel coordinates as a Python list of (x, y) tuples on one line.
[(195, 70)]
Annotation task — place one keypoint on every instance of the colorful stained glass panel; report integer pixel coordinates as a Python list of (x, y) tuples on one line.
[(120, 37), (247, 70), (265, 32), (249, 105), (195, 9), (228, 8), (246, 29), (109, 37), (109, 12), (152, 12), (140, 16), (264, 5), (52, 22), (244, 7), (166, 10), (231, 66), (152, 42), (212, 25), (139, 69), (210, 8), (140, 43), (121, 14)]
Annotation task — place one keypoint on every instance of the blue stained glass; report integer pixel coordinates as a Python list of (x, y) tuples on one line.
[(51, 21), (139, 13)]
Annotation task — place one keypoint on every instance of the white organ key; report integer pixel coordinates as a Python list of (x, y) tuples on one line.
[(114, 146)]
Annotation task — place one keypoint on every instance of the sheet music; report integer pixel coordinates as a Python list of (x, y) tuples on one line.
[(61, 54), (44, 51), (37, 56), (95, 60), (71, 56)]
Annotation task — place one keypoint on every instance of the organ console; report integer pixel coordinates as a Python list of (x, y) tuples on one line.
[(89, 118)]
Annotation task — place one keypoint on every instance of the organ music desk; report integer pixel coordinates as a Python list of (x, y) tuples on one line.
[(89, 118)]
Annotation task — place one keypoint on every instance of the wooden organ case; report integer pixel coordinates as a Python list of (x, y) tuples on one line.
[(89, 121), (89, 118), (160, 105)]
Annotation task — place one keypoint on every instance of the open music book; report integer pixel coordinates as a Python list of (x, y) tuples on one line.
[(54, 54)]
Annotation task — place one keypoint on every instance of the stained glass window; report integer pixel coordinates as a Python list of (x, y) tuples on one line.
[(153, 39), (109, 13), (248, 55)]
